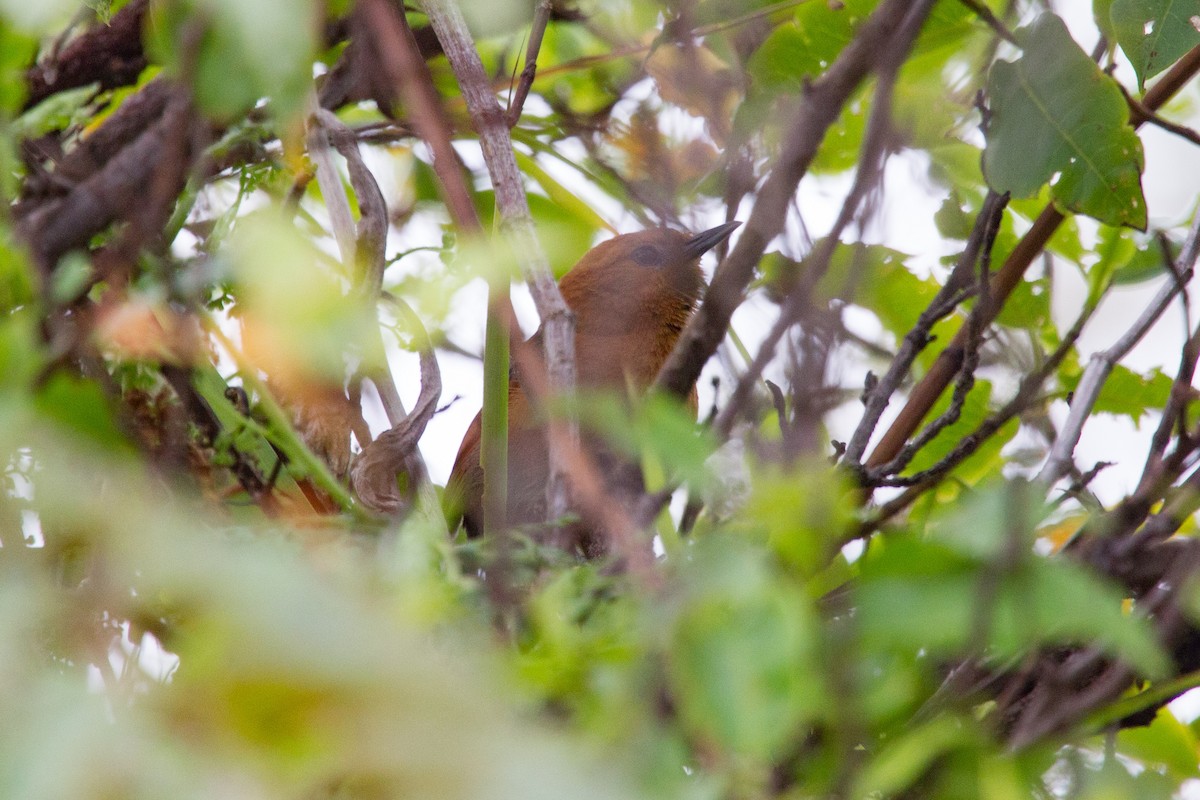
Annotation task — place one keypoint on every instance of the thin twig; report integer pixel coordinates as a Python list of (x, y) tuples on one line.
[(398, 56), (874, 152), (1101, 364), (541, 16), (366, 253), (1138, 108), (394, 452), (1026, 393), (991, 20), (329, 179), (818, 109), (918, 338), (970, 357)]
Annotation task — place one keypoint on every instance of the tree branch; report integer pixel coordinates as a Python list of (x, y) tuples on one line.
[(930, 388), (874, 152), (818, 109), (558, 329), (1101, 364)]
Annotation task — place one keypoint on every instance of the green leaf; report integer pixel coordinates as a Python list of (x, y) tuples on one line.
[(1114, 248), (1147, 261), (1154, 33), (917, 596), (1102, 16), (1058, 601), (245, 51), (16, 275), (56, 112), (80, 407), (805, 47), (799, 513), (71, 277), (1126, 393), (743, 658), (296, 316), (584, 90), (876, 278), (1057, 118), (658, 428), (1028, 306), (983, 524), (1166, 741), (562, 196), (16, 52), (905, 760), (952, 219)]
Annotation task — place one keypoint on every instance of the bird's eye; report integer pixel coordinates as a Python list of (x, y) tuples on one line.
[(648, 256)]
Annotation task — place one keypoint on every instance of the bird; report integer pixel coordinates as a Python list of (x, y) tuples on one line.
[(631, 297)]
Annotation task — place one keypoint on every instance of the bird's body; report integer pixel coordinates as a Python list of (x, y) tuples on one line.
[(631, 297)]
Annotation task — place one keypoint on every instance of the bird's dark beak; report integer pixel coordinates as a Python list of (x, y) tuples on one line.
[(701, 243)]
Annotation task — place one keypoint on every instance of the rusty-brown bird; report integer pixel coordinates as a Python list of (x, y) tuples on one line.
[(631, 296)]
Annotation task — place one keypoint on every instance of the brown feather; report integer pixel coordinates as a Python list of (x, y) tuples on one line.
[(632, 296)]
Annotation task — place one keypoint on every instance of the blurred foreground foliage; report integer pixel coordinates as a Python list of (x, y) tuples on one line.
[(178, 620)]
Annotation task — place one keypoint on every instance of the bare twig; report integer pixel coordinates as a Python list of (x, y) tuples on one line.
[(1101, 364), (366, 250), (396, 451), (541, 16), (874, 152), (991, 20), (400, 59), (970, 358), (1139, 108), (329, 179), (917, 339), (818, 109), (1026, 394)]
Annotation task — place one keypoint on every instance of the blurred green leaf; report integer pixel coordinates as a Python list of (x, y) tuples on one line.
[(1165, 742), (1101, 15), (211, 40), (1028, 306), (80, 408), (57, 112), (743, 657), (799, 512), (659, 427), (298, 319), (1148, 260), (904, 760), (803, 48), (916, 596)]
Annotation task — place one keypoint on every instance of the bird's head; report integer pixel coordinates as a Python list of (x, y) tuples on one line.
[(661, 257)]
